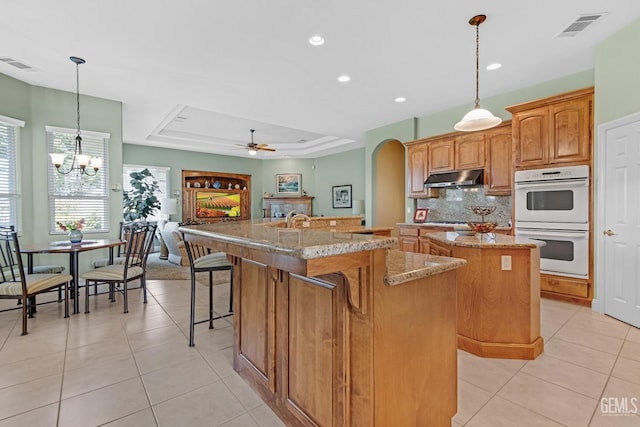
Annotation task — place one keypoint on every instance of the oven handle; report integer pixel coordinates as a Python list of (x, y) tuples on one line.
[(567, 233), (564, 184)]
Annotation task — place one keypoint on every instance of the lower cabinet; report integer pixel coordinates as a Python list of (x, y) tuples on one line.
[(554, 286), (334, 349)]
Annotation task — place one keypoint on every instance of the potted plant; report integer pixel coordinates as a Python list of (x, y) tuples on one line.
[(141, 201)]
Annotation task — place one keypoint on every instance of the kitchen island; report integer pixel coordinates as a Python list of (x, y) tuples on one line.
[(498, 293), (335, 329)]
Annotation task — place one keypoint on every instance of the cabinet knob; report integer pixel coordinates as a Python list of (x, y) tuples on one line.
[(609, 233)]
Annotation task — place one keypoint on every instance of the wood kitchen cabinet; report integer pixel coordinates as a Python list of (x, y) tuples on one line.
[(456, 152), (441, 155), (418, 156), (498, 172), (408, 239), (553, 130), (469, 151)]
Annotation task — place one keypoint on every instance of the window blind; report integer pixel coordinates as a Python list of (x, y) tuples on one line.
[(160, 175), (76, 196), (8, 173)]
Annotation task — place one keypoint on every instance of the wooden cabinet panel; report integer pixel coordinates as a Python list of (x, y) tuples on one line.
[(498, 172), (531, 134), (564, 285), (418, 162), (570, 126), (256, 323), (409, 244), (469, 151), (308, 383), (441, 156)]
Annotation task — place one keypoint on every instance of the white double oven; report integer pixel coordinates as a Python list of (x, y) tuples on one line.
[(552, 205)]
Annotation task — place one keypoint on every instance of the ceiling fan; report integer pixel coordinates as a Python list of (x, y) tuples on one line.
[(253, 148)]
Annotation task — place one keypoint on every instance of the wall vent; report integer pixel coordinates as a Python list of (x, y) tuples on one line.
[(16, 63), (580, 24)]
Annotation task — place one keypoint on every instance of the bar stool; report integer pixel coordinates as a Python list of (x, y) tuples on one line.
[(202, 260)]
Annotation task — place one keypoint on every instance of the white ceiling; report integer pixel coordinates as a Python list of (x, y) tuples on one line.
[(197, 75)]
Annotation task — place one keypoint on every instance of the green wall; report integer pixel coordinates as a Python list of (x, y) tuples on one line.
[(617, 75)]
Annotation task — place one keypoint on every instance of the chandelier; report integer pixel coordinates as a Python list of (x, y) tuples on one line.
[(478, 118), (82, 163)]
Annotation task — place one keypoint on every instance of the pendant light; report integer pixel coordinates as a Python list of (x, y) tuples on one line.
[(82, 163), (478, 118)]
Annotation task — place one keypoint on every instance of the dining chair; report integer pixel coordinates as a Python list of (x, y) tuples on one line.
[(201, 260), (38, 269), (15, 283), (119, 258), (139, 242)]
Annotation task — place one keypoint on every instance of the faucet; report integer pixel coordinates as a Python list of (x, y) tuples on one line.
[(295, 217), (288, 217)]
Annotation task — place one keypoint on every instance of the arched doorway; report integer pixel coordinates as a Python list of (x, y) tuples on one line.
[(389, 184)]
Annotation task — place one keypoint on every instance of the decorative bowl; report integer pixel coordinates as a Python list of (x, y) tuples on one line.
[(483, 210), (482, 227)]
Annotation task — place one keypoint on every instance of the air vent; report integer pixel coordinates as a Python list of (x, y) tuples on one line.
[(580, 24), (16, 63)]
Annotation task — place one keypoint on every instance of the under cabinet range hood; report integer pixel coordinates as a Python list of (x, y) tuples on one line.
[(463, 178)]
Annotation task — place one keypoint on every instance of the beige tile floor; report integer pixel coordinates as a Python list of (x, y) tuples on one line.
[(135, 369)]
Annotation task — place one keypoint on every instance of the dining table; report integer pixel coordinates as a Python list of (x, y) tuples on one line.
[(73, 249)]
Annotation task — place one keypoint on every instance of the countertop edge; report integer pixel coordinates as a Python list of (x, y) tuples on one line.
[(454, 239), (422, 265), (309, 252)]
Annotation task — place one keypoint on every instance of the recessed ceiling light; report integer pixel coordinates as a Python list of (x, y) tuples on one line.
[(494, 66), (400, 99), (344, 78), (316, 40)]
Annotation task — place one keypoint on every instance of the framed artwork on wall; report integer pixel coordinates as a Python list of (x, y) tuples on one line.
[(288, 184), (420, 215), (341, 196)]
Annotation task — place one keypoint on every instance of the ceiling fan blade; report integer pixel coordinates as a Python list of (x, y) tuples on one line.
[(261, 145), (265, 149)]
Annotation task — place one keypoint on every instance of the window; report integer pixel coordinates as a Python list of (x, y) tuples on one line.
[(8, 170), (75, 196), (160, 174)]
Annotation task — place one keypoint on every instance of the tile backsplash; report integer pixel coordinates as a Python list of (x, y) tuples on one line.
[(454, 204)]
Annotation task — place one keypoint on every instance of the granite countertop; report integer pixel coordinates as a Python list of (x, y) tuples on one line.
[(301, 243), (406, 266), (484, 241), (440, 224)]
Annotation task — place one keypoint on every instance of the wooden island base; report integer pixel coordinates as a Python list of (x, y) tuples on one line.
[(333, 329), (498, 294)]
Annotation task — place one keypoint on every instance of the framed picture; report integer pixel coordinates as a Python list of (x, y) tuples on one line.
[(341, 196), (288, 184), (420, 215)]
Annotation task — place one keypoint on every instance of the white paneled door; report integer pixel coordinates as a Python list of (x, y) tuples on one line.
[(618, 228)]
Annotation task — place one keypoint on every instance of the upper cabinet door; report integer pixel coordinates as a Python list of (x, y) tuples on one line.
[(570, 125), (417, 155), (441, 156), (469, 151), (498, 173), (531, 137)]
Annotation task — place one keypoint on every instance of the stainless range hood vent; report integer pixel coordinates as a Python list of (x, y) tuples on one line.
[(463, 178)]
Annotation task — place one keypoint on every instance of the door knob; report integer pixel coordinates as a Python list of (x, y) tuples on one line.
[(609, 233)]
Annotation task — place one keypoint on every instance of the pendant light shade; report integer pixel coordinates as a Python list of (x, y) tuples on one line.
[(478, 118)]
